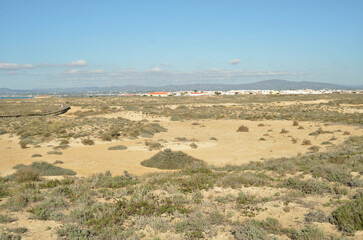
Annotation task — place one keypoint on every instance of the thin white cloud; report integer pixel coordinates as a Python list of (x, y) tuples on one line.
[(12, 72), (14, 66), (45, 65), (78, 63), (95, 71), (165, 64), (156, 76), (234, 61), (155, 69), (28, 66)]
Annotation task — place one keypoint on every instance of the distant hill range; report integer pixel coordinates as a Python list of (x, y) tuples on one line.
[(274, 84)]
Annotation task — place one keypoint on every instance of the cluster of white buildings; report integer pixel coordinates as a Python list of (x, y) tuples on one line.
[(236, 92)]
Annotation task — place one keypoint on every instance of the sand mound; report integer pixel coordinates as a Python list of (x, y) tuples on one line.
[(168, 159)]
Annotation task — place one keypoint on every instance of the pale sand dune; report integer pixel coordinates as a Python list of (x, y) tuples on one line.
[(231, 148)]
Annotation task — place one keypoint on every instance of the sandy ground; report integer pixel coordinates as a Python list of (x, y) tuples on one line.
[(231, 147)]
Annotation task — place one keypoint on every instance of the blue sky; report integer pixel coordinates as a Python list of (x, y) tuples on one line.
[(114, 43)]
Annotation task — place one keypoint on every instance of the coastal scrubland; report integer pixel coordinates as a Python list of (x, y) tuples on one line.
[(223, 167)]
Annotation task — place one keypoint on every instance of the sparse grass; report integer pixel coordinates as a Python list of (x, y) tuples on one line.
[(6, 219), (19, 230)]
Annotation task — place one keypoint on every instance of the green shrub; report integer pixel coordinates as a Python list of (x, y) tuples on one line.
[(242, 128), (23, 144), (6, 219), (54, 153), (309, 186), (306, 142), (308, 233), (19, 230), (87, 141), (349, 217), (118, 147), (64, 142), (314, 148), (283, 131), (48, 210), (45, 169), (168, 159), (36, 155), (315, 216), (27, 175), (3, 131), (248, 231), (153, 145)]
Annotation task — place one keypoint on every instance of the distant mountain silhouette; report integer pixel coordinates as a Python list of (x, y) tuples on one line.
[(274, 84)]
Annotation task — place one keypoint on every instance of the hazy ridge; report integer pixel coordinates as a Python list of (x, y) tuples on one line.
[(274, 84)]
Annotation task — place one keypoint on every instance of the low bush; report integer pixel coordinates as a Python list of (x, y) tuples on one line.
[(168, 159), (249, 230), (349, 216), (309, 186), (87, 141), (43, 169), (315, 216), (36, 155), (242, 128), (118, 147), (193, 145), (27, 175), (306, 142), (153, 145), (19, 230), (54, 153), (314, 148), (283, 131)]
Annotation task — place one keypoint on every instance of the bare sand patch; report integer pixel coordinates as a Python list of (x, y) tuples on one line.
[(231, 147)]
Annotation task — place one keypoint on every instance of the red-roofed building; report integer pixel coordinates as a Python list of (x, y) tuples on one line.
[(158, 94)]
